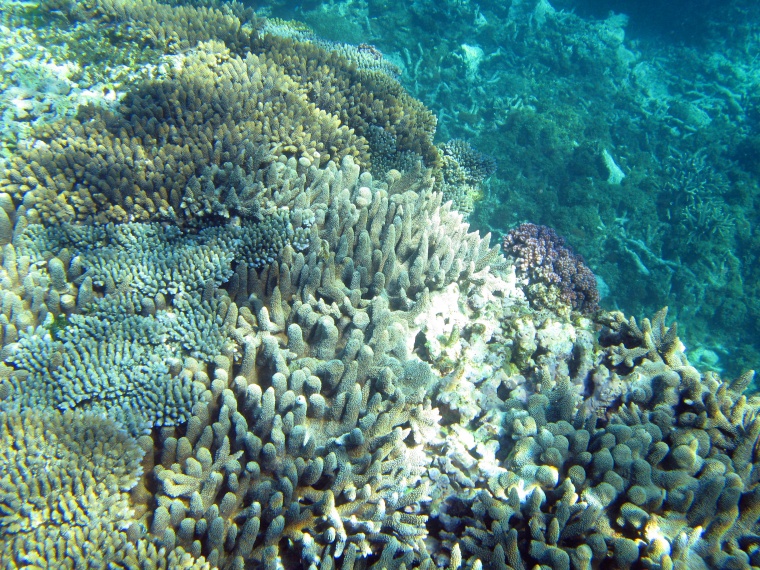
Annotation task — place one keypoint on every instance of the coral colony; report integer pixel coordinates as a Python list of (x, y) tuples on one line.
[(245, 325)]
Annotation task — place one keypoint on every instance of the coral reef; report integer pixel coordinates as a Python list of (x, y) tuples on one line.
[(362, 99), (322, 373), (64, 492), (555, 274), (210, 109), (306, 443), (655, 467), (463, 169), (552, 88), (244, 327)]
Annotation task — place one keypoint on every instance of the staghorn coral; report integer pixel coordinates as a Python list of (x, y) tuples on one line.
[(630, 344), (556, 276)]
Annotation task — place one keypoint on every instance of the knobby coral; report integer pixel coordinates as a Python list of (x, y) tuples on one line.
[(278, 359), (556, 275)]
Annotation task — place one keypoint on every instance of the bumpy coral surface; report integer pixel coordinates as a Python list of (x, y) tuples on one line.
[(463, 169), (556, 274), (303, 364), (64, 489)]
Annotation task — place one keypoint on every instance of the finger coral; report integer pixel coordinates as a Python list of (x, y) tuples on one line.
[(144, 161), (307, 441), (64, 489), (662, 477), (243, 327)]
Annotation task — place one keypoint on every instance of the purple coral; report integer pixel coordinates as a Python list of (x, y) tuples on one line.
[(542, 256)]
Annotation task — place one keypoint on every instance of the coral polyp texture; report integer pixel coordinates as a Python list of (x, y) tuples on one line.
[(463, 169), (64, 492), (152, 160), (556, 275), (231, 341)]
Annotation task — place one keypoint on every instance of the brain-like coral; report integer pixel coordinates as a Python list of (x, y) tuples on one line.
[(556, 274)]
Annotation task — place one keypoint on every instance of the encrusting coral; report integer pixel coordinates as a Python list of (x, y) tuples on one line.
[(278, 359), (556, 276)]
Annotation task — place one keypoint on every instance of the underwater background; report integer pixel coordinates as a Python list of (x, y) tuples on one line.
[(371, 284)]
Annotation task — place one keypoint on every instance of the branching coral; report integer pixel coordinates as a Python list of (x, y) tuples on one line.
[(661, 477), (142, 163), (64, 488), (306, 365), (313, 393), (463, 169)]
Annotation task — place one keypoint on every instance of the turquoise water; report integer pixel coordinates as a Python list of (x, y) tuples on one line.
[(379, 285)]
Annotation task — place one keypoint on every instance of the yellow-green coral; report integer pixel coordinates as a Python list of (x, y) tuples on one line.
[(64, 491), (139, 163)]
